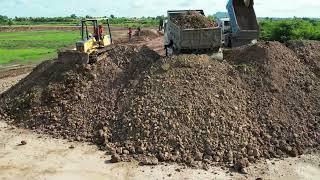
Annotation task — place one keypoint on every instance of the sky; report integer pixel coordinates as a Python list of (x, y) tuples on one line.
[(139, 8)]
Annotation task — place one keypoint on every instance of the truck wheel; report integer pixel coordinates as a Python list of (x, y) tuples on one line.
[(176, 51), (229, 43)]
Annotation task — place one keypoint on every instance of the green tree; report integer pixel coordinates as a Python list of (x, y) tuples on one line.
[(73, 16), (282, 32), (3, 19), (112, 16), (10, 22)]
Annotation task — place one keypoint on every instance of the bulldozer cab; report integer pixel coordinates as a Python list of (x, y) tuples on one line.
[(92, 35), (93, 40)]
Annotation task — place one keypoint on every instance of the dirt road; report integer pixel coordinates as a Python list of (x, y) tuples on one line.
[(46, 158)]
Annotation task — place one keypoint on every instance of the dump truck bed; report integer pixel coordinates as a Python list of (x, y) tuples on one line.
[(192, 39), (243, 20)]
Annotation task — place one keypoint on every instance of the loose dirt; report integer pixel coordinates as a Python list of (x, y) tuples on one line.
[(7, 71), (262, 102), (8, 82), (308, 51), (46, 158), (193, 20)]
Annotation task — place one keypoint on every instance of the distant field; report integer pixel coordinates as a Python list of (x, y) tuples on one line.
[(33, 46)]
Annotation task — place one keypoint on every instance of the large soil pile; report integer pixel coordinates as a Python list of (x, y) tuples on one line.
[(74, 102), (193, 20), (263, 102), (284, 99), (309, 52)]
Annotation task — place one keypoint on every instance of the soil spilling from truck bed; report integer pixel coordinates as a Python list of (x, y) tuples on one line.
[(193, 20), (262, 102)]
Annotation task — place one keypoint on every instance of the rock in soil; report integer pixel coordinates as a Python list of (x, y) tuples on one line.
[(115, 158)]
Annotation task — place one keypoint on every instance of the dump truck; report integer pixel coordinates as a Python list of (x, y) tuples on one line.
[(191, 39), (243, 22)]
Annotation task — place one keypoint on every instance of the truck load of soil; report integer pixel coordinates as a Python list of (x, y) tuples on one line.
[(263, 101), (193, 20)]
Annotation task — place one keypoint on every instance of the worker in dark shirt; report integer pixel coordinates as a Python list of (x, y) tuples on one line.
[(139, 31), (100, 29), (161, 24), (130, 34), (98, 33)]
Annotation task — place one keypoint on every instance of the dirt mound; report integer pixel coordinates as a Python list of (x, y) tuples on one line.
[(74, 102), (309, 52), (262, 102), (284, 98), (182, 111), (193, 20), (144, 36), (149, 33)]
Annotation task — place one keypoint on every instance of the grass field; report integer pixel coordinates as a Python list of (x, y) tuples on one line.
[(33, 46)]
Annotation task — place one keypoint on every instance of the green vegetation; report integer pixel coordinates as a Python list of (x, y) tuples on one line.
[(27, 47), (290, 29), (73, 20)]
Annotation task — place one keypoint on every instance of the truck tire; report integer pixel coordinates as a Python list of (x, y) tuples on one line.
[(229, 43)]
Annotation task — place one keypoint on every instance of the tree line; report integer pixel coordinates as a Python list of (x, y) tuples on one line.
[(281, 30), (290, 29), (74, 20)]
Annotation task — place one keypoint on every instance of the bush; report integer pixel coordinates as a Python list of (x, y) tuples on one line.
[(293, 29)]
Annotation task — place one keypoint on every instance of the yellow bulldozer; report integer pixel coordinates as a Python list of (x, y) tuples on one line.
[(92, 45)]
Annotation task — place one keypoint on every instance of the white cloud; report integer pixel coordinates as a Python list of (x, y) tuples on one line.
[(270, 8)]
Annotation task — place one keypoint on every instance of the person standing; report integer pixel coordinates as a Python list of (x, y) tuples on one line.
[(161, 24), (130, 34), (139, 31)]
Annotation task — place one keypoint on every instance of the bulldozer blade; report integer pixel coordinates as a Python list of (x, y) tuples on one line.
[(73, 57)]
